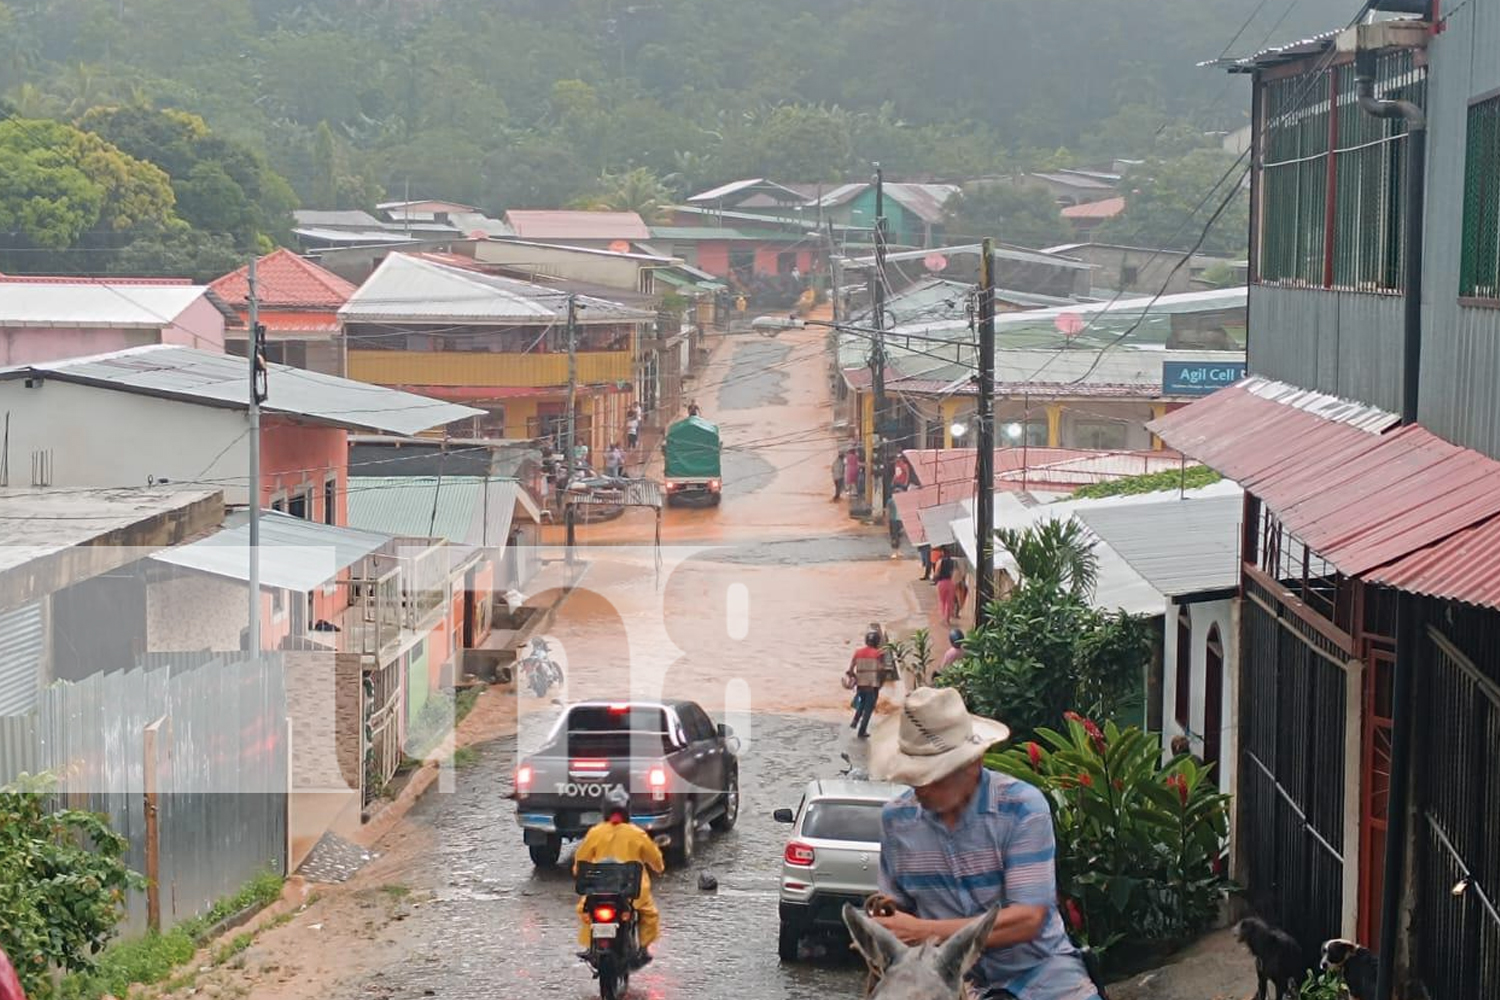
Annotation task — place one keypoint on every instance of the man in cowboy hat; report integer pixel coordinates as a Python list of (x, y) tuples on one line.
[(966, 839)]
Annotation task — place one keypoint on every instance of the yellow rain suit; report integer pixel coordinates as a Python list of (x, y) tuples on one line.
[(619, 841)]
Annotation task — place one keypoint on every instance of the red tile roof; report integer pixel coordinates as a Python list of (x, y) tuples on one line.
[(286, 281), (560, 225), (1107, 208)]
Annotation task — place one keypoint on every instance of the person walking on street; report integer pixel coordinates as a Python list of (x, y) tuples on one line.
[(838, 475), (865, 666), (924, 552), (614, 461), (633, 429), (965, 840), (955, 649), (900, 475), (851, 471)]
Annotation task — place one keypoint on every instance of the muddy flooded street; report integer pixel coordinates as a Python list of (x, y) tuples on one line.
[(750, 608)]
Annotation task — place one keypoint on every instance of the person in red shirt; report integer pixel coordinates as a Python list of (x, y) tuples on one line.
[(865, 666)]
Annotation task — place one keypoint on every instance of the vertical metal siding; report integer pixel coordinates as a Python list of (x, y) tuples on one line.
[(222, 768), (22, 641), (1460, 344), (1344, 343)]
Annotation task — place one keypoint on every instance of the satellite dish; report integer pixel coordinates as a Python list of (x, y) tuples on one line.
[(936, 262), (1069, 325), (620, 246)]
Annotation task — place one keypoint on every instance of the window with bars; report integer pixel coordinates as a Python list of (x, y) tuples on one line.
[(1332, 210), (1479, 276)]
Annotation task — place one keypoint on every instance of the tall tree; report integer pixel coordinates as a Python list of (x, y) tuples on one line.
[(1012, 213)]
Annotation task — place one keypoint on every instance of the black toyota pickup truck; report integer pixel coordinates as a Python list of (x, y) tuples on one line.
[(679, 767)]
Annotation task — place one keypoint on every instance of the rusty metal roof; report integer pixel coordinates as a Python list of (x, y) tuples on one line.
[(1404, 499), (1462, 567)]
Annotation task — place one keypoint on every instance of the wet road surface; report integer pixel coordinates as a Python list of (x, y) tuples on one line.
[(752, 609), (489, 925)]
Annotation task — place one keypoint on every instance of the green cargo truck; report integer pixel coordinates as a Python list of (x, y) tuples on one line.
[(692, 462)]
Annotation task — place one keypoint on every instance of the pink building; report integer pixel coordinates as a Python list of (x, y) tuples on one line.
[(48, 319)]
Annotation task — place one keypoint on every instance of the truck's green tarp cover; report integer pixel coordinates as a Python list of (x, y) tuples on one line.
[(692, 449)]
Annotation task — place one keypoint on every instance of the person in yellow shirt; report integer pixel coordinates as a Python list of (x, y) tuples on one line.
[(615, 838)]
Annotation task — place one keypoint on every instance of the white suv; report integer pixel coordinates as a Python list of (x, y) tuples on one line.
[(831, 858)]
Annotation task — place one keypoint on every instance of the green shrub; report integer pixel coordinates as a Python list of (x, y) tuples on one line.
[(63, 883), (1194, 477), (1139, 845), (1046, 651)]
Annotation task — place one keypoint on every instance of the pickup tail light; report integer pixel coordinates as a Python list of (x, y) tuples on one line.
[(800, 855), (523, 779), (605, 914), (657, 779)]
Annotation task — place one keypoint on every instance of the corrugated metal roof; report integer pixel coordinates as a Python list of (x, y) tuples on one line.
[(465, 510), (565, 225), (925, 201), (94, 304), (1361, 500), (353, 237), (408, 288), (211, 379), (351, 219), (1180, 547), (688, 234), (1462, 567), (295, 554)]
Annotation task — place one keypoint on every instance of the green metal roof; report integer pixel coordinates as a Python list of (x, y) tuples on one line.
[(450, 507), (682, 281)]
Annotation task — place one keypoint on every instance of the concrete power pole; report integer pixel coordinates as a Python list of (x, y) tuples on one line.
[(878, 457), (572, 429), (255, 352), (984, 464)]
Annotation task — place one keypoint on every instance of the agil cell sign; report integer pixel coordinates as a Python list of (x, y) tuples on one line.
[(1199, 378)]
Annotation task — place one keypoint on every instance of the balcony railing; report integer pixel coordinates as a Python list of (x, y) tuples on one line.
[(454, 368), (393, 595)]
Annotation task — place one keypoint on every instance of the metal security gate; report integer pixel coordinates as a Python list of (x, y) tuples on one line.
[(1457, 921), (1292, 712)]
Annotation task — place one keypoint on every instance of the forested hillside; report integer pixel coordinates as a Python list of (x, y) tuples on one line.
[(504, 103)]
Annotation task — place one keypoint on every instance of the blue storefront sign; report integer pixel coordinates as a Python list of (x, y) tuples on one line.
[(1199, 378)]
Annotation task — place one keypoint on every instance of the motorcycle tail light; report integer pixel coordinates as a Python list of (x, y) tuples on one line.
[(800, 855), (657, 779), (605, 914)]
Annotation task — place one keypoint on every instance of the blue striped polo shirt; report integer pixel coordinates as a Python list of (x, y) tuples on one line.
[(1002, 852)]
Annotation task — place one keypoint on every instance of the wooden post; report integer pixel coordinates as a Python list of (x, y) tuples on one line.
[(153, 830)]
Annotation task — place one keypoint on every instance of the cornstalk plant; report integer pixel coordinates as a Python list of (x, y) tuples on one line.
[(913, 656)]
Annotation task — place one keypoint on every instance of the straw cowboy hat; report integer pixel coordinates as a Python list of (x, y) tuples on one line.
[(932, 736)]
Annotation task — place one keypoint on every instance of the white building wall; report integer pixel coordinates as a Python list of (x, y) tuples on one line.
[(1204, 616), (106, 438)]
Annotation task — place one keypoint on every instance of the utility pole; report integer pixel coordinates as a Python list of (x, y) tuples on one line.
[(568, 516), (877, 360), (255, 350), (984, 460)]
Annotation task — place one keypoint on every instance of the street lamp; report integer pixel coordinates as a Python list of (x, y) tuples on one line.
[(1014, 431), (958, 429)]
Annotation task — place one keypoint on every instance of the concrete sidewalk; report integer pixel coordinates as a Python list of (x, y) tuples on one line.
[(1215, 967)]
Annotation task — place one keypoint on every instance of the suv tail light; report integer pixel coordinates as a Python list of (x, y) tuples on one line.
[(604, 914), (800, 855), (523, 779), (657, 779)]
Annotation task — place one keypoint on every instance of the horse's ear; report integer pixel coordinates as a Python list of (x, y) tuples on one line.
[(962, 950), (879, 946)]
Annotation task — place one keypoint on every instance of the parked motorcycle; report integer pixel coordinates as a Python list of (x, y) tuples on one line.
[(608, 889), (540, 671)]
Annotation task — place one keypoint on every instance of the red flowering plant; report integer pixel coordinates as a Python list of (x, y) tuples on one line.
[(1138, 841)]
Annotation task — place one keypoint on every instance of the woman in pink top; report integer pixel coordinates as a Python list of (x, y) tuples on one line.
[(955, 649)]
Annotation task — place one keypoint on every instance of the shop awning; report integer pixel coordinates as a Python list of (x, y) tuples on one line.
[(1396, 505)]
